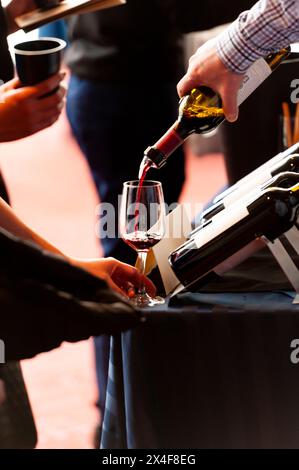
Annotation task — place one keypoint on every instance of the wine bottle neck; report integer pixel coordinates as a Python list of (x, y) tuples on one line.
[(289, 164), (165, 146), (288, 197)]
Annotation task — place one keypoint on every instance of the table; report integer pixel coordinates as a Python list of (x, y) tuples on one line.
[(212, 371)]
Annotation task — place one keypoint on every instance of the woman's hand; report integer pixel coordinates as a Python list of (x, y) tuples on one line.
[(24, 111), (205, 68), (119, 276)]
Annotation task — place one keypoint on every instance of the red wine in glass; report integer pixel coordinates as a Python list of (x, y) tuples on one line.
[(141, 241)]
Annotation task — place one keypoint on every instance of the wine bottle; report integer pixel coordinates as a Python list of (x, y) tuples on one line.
[(269, 163), (283, 175), (201, 111), (290, 163), (234, 235)]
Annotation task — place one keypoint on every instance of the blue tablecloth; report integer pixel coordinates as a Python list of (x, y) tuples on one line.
[(206, 371)]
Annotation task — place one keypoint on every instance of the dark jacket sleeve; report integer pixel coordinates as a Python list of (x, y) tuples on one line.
[(6, 65), (45, 301)]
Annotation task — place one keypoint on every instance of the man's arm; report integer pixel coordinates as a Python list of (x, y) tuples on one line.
[(270, 25)]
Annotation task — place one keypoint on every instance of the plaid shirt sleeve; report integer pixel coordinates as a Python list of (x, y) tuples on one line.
[(269, 26)]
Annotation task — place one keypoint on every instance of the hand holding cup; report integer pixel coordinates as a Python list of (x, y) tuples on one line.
[(23, 112)]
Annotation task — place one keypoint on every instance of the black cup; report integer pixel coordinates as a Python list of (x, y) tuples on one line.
[(45, 4), (37, 60)]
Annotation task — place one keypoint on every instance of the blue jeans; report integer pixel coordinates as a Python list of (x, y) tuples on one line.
[(113, 124)]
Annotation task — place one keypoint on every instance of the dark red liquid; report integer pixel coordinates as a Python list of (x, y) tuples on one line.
[(140, 241), (138, 199)]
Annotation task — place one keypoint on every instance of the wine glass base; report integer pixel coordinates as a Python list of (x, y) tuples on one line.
[(144, 300)]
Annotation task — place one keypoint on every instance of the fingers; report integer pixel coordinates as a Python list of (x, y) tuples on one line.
[(24, 113), (206, 68), (115, 287), (43, 88), (11, 85), (197, 73), (39, 114), (186, 84), (122, 274), (132, 275), (49, 85), (43, 113), (139, 279), (230, 106), (130, 290), (229, 93), (54, 98), (226, 86), (53, 102)]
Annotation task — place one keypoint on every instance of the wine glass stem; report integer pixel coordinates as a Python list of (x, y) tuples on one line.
[(142, 262)]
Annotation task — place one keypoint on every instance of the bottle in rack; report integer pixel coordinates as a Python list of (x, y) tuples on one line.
[(269, 163), (234, 235), (201, 111), (282, 175)]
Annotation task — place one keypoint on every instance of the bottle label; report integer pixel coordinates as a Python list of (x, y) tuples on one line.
[(221, 222), (254, 76)]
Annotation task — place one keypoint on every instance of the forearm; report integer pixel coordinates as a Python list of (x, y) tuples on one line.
[(10, 222), (45, 301), (269, 26)]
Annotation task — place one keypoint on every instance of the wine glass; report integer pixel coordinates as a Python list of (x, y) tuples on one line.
[(142, 225)]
